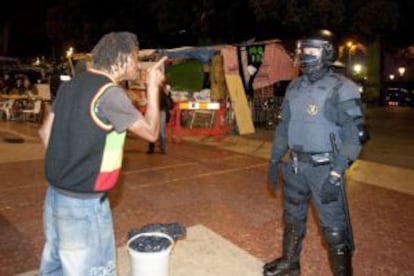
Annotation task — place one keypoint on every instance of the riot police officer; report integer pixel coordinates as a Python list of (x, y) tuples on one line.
[(322, 128)]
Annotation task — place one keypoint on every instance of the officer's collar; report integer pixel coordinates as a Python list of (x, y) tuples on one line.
[(306, 80)]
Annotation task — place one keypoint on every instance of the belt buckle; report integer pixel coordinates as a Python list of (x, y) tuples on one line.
[(321, 158)]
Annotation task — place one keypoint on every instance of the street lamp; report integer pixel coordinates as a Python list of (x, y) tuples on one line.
[(69, 52), (357, 71), (357, 68), (349, 46), (401, 70)]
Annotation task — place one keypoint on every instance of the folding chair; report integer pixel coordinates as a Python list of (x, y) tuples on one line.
[(34, 113), (6, 107)]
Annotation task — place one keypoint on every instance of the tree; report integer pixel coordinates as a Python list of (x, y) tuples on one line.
[(372, 20), (202, 22), (291, 18)]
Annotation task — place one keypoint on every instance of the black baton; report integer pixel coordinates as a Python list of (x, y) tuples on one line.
[(342, 189)]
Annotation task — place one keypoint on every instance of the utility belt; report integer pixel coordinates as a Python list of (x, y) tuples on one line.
[(316, 159)]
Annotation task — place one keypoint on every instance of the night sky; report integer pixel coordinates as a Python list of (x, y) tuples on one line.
[(27, 28), (28, 31)]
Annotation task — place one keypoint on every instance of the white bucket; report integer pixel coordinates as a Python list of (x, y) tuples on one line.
[(150, 263)]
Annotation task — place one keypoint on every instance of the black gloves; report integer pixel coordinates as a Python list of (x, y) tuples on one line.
[(275, 157), (272, 173), (340, 164), (330, 189)]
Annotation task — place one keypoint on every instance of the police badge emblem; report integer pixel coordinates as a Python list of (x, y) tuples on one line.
[(312, 109)]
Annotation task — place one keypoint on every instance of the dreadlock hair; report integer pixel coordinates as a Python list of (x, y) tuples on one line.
[(113, 50)]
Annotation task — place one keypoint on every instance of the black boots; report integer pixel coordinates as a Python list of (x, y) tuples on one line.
[(151, 147), (281, 267), (288, 264), (340, 257)]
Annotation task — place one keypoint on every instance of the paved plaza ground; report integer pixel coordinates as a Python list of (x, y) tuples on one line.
[(218, 190)]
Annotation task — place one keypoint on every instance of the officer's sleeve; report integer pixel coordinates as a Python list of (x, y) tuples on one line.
[(350, 118), (280, 138)]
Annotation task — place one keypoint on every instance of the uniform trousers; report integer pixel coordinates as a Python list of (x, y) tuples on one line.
[(306, 184)]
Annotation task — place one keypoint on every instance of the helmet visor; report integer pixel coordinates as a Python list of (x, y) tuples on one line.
[(309, 52)]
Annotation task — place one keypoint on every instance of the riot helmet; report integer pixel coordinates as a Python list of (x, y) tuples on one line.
[(316, 53)]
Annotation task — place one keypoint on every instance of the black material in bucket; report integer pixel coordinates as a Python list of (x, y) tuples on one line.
[(150, 253), (150, 244)]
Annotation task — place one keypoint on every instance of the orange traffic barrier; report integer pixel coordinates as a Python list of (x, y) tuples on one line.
[(206, 119)]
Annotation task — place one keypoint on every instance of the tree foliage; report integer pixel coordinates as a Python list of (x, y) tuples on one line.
[(364, 17), (373, 18), (170, 23), (298, 15)]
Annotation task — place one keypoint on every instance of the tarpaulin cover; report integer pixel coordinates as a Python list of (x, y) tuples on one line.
[(185, 76), (204, 55), (277, 65)]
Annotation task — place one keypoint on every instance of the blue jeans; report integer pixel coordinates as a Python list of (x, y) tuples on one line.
[(79, 236), (163, 136)]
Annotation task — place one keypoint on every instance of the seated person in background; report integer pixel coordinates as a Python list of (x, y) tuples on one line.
[(9, 82), (29, 89), (17, 88), (2, 85)]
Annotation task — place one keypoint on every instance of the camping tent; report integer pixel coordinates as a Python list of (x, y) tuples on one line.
[(227, 69)]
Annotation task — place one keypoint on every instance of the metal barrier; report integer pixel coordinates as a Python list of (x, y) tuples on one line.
[(205, 119)]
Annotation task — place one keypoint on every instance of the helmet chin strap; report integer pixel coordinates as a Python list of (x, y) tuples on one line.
[(315, 75)]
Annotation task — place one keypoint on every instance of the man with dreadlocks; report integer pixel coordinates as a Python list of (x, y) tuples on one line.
[(84, 136)]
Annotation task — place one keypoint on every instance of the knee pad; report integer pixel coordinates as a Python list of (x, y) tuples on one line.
[(335, 237)]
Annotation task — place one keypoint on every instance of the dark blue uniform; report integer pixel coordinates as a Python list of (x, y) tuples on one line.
[(314, 112), (322, 127), (311, 112)]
